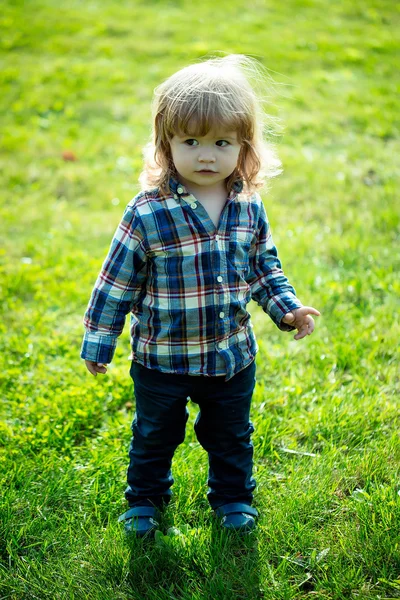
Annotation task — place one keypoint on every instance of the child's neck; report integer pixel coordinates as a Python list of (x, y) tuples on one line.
[(207, 193), (213, 203)]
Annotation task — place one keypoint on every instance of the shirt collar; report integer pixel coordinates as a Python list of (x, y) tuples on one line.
[(178, 188)]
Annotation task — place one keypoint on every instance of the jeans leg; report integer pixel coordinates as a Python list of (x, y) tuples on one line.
[(223, 429), (158, 428)]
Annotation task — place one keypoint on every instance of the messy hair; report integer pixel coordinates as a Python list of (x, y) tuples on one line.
[(217, 93)]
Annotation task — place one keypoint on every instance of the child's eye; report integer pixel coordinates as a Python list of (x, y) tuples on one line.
[(193, 142)]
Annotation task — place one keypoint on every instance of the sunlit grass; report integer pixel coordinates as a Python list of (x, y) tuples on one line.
[(78, 78)]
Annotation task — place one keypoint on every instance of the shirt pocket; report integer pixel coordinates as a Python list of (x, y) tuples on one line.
[(240, 240)]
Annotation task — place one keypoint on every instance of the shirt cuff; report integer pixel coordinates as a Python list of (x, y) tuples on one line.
[(98, 347), (278, 306)]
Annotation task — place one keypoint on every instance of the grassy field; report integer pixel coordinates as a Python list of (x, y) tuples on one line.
[(78, 77)]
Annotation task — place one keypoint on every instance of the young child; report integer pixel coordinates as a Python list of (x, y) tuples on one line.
[(192, 249)]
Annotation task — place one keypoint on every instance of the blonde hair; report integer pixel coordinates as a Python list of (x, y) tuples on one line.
[(216, 93)]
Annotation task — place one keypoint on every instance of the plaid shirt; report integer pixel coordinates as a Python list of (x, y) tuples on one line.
[(186, 285)]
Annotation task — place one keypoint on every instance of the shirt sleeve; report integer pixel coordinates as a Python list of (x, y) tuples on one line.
[(269, 286), (117, 290)]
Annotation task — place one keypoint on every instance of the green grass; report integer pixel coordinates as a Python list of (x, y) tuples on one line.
[(79, 77)]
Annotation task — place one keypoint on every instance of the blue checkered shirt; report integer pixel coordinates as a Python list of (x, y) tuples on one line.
[(186, 284)]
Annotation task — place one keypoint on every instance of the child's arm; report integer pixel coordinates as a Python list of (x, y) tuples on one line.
[(271, 289), (116, 291)]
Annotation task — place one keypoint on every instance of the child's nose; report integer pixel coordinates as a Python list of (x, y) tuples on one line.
[(207, 156)]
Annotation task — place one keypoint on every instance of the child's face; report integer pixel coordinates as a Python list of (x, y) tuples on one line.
[(205, 162)]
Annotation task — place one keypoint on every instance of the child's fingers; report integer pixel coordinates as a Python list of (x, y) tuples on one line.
[(311, 325), (300, 335), (309, 310), (306, 328), (91, 367), (288, 318), (302, 332), (95, 368)]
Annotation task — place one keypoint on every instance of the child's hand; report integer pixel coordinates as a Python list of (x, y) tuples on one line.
[(94, 367), (300, 318)]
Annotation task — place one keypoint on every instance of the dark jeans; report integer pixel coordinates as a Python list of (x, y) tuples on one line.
[(222, 427)]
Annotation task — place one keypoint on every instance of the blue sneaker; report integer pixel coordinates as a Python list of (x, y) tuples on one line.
[(140, 521), (238, 517)]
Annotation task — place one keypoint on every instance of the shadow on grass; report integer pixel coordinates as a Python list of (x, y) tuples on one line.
[(202, 563)]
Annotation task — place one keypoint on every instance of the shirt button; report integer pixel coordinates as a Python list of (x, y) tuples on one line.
[(221, 315), (179, 190), (219, 278), (193, 205), (216, 237)]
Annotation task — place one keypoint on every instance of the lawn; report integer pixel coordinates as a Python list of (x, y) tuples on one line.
[(76, 81)]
